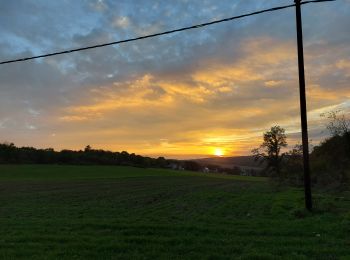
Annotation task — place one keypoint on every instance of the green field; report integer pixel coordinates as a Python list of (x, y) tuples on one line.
[(101, 212)]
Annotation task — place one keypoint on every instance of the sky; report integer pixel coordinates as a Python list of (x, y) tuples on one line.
[(185, 95)]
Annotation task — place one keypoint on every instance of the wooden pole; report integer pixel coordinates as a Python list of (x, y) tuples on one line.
[(303, 110)]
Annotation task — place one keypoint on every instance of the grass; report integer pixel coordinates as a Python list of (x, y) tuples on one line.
[(100, 212)]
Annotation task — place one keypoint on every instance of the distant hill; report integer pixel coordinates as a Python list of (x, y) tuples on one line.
[(247, 162)]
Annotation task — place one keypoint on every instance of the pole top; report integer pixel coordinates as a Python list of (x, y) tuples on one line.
[(297, 1)]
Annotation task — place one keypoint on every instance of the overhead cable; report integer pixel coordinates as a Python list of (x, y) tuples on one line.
[(160, 33)]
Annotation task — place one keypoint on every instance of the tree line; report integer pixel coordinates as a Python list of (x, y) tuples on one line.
[(10, 154), (330, 160)]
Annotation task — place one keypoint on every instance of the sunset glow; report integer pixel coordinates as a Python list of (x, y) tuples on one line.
[(218, 152), (211, 91)]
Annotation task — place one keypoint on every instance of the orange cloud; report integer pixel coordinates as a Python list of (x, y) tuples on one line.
[(214, 105)]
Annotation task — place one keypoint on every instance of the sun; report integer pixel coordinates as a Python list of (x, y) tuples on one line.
[(218, 152)]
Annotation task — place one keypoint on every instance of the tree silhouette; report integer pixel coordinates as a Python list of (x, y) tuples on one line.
[(270, 150)]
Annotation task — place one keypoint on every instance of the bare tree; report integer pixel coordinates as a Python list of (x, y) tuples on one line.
[(338, 124)]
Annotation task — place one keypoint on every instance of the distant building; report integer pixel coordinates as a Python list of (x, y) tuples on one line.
[(246, 172), (175, 166)]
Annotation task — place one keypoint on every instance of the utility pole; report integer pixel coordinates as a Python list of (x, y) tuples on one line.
[(303, 111)]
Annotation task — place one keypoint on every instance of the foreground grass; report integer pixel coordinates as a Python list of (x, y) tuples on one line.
[(67, 212)]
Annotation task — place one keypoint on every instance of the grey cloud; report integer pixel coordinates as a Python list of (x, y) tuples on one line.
[(50, 85)]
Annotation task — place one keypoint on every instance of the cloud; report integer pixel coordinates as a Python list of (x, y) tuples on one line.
[(122, 22), (178, 95), (224, 101)]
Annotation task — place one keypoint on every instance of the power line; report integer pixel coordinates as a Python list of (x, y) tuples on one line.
[(162, 33)]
